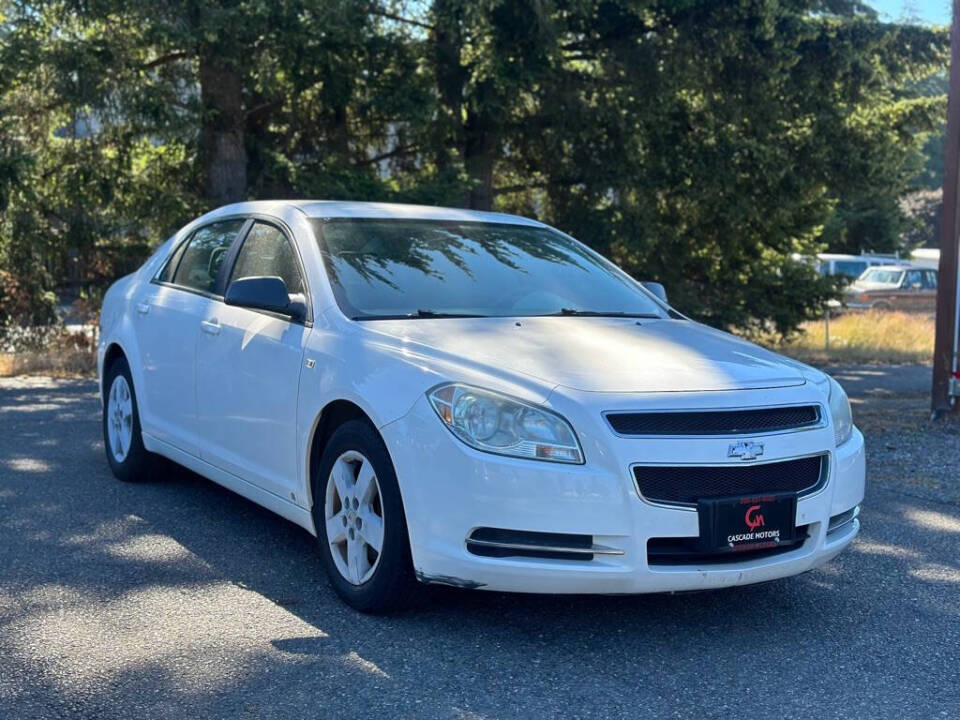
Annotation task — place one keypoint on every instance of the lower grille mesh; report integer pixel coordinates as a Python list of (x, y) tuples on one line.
[(686, 484)]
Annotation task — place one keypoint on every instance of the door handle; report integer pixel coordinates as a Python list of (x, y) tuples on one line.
[(211, 327), (143, 308)]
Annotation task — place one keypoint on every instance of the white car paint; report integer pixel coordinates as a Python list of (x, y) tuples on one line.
[(240, 406)]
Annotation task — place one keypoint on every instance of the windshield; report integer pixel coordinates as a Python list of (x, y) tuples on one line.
[(881, 276), (423, 268)]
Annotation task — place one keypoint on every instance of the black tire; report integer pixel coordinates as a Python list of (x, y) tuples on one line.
[(393, 585), (881, 306), (138, 464)]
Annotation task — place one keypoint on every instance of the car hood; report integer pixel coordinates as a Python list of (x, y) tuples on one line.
[(600, 354)]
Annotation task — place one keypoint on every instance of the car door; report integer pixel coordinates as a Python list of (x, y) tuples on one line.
[(249, 364), (167, 314)]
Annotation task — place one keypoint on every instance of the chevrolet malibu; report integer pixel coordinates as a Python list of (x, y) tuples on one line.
[(471, 399)]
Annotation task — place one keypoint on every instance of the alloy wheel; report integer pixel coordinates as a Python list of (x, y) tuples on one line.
[(120, 418), (353, 512)]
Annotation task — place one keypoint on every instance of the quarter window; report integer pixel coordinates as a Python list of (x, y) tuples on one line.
[(204, 254), (166, 272), (267, 252), (914, 280)]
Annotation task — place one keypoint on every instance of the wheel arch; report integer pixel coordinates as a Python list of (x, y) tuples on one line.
[(111, 353), (331, 416)]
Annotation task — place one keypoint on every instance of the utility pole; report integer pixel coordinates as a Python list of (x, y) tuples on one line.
[(946, 380)]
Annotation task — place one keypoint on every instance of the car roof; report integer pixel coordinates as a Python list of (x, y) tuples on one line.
[(866, 257), (331, 209), (895, 267)]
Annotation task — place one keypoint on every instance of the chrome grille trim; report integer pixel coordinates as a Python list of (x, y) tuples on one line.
[(592, 550)]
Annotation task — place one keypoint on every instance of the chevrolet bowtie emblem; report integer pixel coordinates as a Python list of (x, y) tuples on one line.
[(745, 450)]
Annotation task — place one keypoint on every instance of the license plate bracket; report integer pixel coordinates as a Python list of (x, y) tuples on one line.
[(747, 523)]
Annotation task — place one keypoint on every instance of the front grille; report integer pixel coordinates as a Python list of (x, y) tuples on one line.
[(687, 484), (715, 422)]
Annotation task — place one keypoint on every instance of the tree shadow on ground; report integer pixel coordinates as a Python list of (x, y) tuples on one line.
[(150, 599)]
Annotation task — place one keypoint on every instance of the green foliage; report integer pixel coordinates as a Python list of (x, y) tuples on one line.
[(698, 143)]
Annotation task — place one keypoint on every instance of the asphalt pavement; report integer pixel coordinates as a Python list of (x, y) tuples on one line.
[(180, 599)]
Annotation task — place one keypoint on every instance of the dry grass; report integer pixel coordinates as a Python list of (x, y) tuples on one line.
[(62, 354), (69, 364), (868, 337)]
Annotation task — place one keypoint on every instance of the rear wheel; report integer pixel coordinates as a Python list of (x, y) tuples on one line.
[(129, 459), (361, 528)]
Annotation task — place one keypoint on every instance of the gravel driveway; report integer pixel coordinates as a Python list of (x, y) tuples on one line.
[(179, 599)]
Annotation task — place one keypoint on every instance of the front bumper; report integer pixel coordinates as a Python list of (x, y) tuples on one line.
[(857, 305), (449, 490)]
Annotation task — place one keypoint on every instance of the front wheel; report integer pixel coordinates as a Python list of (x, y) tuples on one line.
[(361, 528), (129, 459)]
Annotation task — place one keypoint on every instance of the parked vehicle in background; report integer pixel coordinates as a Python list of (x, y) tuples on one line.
[(925, 257), (894, 287), (851, 266)]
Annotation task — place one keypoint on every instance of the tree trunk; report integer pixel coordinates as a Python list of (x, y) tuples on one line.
[(474, 137), (222, 136), (479, 146)]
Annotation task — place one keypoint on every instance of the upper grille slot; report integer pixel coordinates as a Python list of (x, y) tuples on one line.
[(687, 484), (715, 422)]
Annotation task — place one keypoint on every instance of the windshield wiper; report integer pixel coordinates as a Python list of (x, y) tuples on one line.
[(416, 314), (605, 313)]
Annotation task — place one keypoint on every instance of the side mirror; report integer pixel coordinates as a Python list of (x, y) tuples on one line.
[(657, 289), (263, 293)]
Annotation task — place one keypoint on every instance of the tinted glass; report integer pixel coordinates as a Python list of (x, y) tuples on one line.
[(914, 279), (398, 268), (267, 252), (205, 254), (931, 279), (853, 268)]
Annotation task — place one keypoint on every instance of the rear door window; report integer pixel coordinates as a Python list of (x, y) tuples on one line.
[(204, 255)]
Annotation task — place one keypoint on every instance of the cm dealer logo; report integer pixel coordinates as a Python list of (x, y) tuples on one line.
[(756, 535), (753, 518)]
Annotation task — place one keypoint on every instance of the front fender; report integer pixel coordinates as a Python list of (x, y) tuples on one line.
[(116, 329), (385, 378)]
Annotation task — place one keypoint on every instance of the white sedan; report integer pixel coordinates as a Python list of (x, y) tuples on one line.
[(471, 399)]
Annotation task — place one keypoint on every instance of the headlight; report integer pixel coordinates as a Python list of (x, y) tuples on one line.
[(840, 412), (499, 424)]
